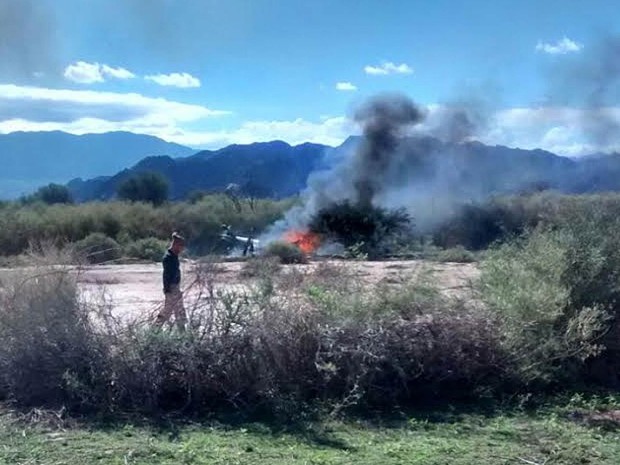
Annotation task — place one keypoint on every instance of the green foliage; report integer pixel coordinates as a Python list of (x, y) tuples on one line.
[(368, 229), (125, 222), (287, 253), (528, 284), (144, 187), (433, 437), (458, 254), (98, 248), (477, 226), (50, 194), (149, 248)]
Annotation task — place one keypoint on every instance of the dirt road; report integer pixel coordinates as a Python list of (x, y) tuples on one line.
[(137, 289)]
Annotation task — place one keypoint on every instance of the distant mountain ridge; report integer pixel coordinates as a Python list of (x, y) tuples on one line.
[(276, 169), (31, 159), (272, 169)]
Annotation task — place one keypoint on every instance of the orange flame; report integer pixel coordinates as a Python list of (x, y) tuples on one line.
[(307, 241)]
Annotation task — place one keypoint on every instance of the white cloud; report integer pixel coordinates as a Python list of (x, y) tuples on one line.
[(562, 130), (89, 73), (388, 68), (83, 111), (182, 80), (117, 73), (346, 86), (561, 47), (84, 73), (331, 131)]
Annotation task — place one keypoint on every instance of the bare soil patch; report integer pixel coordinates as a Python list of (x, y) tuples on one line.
[(136, 289)]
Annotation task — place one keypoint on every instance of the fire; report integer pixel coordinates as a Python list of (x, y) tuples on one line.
[(307, 241)]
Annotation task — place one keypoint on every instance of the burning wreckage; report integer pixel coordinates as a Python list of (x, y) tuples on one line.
[(345, 206), (248, 244), (307, 241)]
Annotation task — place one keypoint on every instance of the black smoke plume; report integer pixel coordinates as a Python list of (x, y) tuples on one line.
[(384, 121), (344, 202)]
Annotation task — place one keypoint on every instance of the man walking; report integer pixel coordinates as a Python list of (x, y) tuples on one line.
[(172, 285)]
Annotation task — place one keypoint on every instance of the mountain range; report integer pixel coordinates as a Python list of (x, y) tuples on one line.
[(97, 163), (31, 159), (276, 169), (268, 169)]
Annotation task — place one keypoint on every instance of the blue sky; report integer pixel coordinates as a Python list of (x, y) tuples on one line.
[(212, 72)]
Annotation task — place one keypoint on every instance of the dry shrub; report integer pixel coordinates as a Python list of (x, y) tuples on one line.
[(397, 360), (49, 354), (257, 267), (286, 252), (458, 254), (262, 346), (266, 349)]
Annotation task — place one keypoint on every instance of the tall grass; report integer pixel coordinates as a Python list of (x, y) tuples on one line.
[(21, 225)]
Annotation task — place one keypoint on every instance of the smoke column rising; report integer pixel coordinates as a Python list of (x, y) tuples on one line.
[(27, 38), (592, 83), (369, 170), (384, 121)]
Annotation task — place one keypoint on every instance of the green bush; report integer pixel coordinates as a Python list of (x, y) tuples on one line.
[(145, 187), (98, 248), (477, 226), (546, 331), (50, 194), (149, 248), (287, 253), (372, 231), (458, 254)]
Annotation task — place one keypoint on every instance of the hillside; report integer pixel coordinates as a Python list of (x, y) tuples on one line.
[(465, 171), (31, 159), (273, 169)]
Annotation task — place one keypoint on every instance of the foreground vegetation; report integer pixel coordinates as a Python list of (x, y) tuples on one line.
[(548, 437), (291, 347), (545, 319)]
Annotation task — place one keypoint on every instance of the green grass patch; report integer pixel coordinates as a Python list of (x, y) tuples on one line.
[(460, 439)]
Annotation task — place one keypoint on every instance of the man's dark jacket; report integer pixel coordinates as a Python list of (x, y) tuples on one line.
[(172, 270)]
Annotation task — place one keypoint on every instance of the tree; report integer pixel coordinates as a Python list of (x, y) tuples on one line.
[(50, 194), (144, 187), (369, 229)]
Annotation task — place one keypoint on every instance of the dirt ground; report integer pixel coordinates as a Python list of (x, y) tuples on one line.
[(137, 289)]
